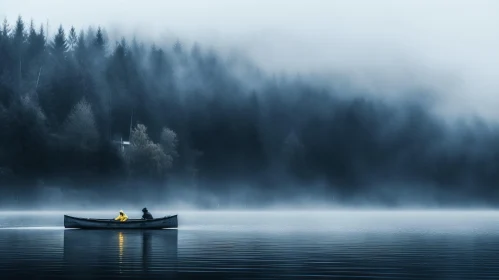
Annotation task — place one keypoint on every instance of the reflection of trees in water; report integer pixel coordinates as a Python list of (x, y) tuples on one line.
[(90, 253), (146, 250), (164, 243)]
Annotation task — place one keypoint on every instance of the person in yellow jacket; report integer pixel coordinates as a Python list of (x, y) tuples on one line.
[(122, 217)]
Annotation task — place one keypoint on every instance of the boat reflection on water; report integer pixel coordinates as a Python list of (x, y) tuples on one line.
[(108, 252)]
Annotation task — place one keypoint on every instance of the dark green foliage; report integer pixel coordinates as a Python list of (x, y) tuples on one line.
[(59, 45), (66, 104), (72, 38)]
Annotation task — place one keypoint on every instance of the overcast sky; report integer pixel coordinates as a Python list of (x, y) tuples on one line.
[(452, 46)]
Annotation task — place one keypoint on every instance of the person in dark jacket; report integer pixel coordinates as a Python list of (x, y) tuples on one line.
[(146, 215)]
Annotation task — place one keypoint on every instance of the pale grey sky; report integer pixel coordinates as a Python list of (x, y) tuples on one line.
[(452, 45)]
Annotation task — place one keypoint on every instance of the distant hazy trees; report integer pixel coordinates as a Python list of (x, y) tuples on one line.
[(293, 153), (144, 157), (80, 128), (291, 147), (169, 143), (201, 118)]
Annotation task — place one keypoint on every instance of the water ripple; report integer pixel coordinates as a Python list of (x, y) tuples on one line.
[(221, 246)]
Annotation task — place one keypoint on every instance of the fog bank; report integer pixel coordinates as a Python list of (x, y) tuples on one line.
[(386, 45)]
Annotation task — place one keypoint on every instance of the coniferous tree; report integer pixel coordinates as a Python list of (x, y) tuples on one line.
[(19, 46), (99, 43), (227, 121), (81, 49), (32, 32), (5, 28), (72, 39), (36, 45), (42, 39), (19, 33), (5, 50), (59, 46), (177, 47), (90, 36)]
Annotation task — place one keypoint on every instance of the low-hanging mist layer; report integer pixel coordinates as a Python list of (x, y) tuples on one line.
[(201, 123)]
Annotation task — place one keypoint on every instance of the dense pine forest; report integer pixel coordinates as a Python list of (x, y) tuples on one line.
[(212, 124)]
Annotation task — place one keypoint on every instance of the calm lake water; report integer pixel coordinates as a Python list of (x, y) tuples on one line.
[(257, 245)]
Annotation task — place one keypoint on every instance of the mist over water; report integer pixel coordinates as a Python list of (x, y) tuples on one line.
[(258, 245), (325, 139)]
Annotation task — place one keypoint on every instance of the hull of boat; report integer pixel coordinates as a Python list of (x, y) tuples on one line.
[(86, 223)]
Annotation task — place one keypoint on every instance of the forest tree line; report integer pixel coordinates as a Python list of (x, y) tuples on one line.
[(67, 101)]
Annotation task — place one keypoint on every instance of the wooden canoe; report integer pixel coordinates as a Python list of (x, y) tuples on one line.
[(88, 223)]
